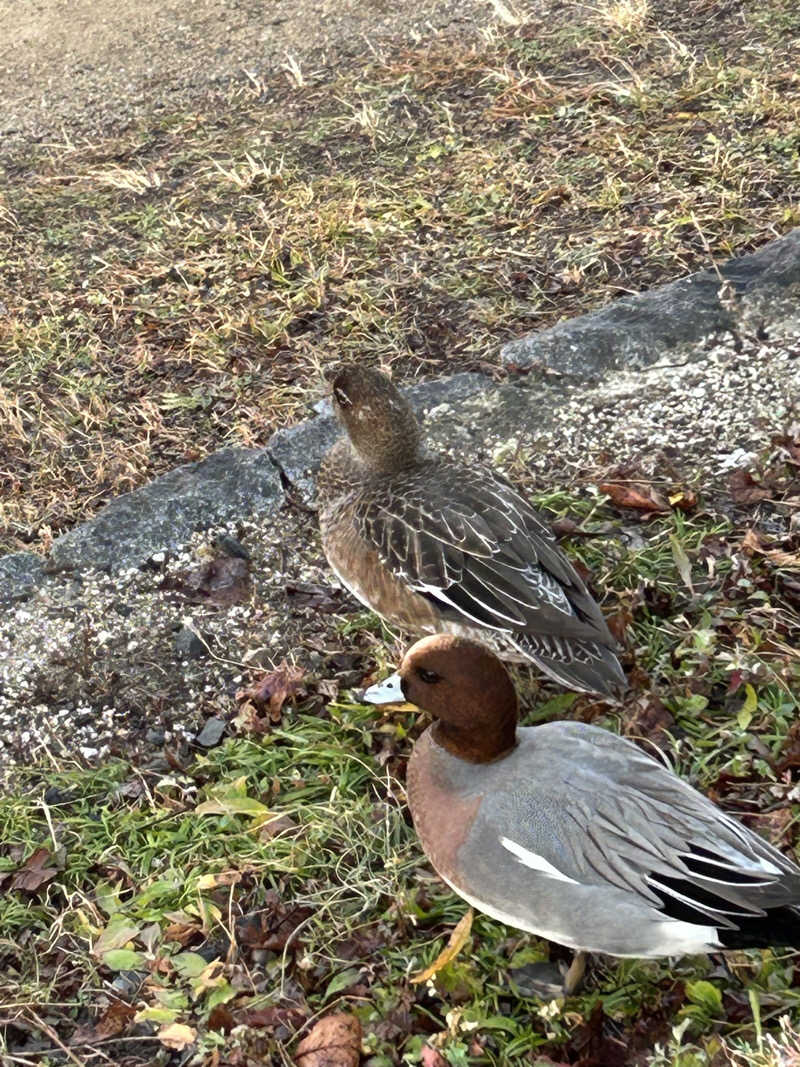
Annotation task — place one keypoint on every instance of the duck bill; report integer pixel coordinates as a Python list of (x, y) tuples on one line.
[(389, 691)]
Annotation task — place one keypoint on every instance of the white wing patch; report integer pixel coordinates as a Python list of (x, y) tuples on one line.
[(535, 862)]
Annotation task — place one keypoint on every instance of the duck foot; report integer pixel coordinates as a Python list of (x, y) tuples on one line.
[(548, 981), (575, 973)]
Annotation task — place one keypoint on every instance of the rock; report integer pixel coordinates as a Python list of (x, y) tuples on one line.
[(230, 484), (298, 450), (638, 331), (212, 732), (189, 645), (231, 546), (20, 575)]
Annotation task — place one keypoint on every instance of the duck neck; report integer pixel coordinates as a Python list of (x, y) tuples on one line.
[(480, 740)]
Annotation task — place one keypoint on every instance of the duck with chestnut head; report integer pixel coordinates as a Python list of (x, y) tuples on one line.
[(573, 833), (434, 545)]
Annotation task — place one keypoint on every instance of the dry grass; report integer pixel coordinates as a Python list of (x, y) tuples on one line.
[(176, 288)]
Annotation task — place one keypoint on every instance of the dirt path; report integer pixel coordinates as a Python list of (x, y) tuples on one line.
[(87, 65)]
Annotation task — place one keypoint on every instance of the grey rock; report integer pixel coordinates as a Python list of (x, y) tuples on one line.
[(189, 645), (757, 290), (21, 573), (230, 484), (231, 546), (298, 450), (212, 732)]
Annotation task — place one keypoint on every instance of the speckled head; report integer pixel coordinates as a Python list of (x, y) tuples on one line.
[(467, 690), (378, 419)]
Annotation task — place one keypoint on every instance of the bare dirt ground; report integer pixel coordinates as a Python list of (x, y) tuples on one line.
[(70, 66)]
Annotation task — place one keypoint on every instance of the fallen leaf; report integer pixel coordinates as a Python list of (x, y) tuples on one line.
[(637, 497), (177, 1036), (323, 599), (34, 872), (748, 709), (222, 581), (273, 926), (681, 562), (649, 718), (118, 932), (458, 938), (271, 692), (752, 542), (745, 489), (283, 824), (220, 1018), (113, 1021), (181, 931), (272, 1017), (123, 959), (618, 623), (211, 881), (684, 500), (335, 1041)]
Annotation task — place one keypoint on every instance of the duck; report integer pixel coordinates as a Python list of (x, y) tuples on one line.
[(434, 545), (572, 833)]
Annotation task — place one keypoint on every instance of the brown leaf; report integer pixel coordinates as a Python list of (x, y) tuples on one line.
[(639, 497), (270, 692), (221, 1018), (323, 599), (335, 1041), (222, 581), (753, 542), (618, 624), (745, 489), (272, 1017), (271, 927), (113, 1021), (458, 938), (683, 500), (34, 872), (278, 827), (181, 932), (650, 718), (563, 528)]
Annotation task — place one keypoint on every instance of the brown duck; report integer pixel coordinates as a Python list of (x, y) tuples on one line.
[(435, 546)]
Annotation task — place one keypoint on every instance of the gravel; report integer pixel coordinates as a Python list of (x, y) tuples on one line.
[(89, 667), (81, 67)]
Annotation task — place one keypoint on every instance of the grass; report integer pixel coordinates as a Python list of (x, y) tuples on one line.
[(175, 288), (277, 878)]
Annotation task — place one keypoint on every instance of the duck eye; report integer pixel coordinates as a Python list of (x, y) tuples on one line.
[(428, 677)]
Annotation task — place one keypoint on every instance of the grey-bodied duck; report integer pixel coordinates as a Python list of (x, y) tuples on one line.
[(572, 833), (434, 545)]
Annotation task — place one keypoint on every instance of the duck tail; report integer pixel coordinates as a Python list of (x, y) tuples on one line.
[(587, 667), (776, 928)]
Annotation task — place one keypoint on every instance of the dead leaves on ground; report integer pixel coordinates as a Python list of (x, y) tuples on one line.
[(114, 1020), (335, 1041), (273, 926), (261, 703), (37, 870), (221, 581)]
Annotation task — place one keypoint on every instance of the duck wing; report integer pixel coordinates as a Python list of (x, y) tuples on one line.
[(470, 543), (625, 832)]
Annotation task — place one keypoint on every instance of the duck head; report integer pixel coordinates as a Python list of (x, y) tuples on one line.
[(467, 690), (379, 421)]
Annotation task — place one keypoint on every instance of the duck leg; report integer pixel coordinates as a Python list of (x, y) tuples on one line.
[(575, 973)]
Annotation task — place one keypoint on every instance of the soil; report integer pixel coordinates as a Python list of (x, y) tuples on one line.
[(78, 67)]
